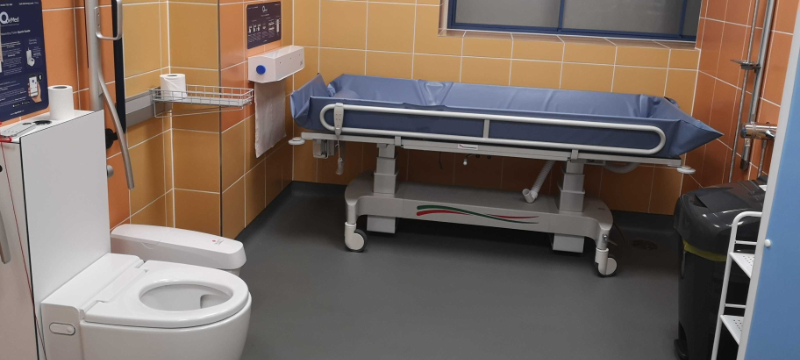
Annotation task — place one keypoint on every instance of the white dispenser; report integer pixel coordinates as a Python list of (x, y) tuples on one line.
[(275, 65)]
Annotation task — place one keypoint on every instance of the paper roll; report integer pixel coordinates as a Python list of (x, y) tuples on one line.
[(62, 105), (173, 86)]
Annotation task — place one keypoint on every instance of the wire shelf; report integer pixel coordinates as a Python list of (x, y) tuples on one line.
[(204, 99)]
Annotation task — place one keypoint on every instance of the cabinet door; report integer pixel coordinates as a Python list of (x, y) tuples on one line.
[(17, 325)]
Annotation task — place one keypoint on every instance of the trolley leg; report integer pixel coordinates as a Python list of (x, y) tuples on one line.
[(605, 266)]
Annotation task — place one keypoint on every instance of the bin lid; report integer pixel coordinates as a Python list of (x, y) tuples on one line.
[(703, 217)]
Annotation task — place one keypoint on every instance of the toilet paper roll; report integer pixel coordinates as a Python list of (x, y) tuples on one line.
[(62, 104), (173, 86)]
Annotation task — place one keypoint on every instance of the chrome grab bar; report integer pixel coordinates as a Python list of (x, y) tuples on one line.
[(339, 119), (119, 24), (98, 89), (123, 140)]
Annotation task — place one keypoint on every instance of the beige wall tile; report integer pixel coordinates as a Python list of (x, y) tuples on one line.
[(205, 122), (427, 39), (628, 192), (666, 191), (232, 34), (335, 62), (193, 36), (233, 210), (437, 68), (587, 77), (479, 172), (391, 65), (142, 83), (250, 144), (198, 211), (391, 27), (170, 200), (353, 165), (681, 88), (310, 70), (60, 40), (144, 130), (164, 33), (494, 45), (147, 160), (643, 56), (485, 71), (305, 166), (273, 176), (306, 23), (168, 159), (684, 59), (118, 196), (233, 154), (153, 214), (287, 25), (538, 74), (633, 80), (344, 24), (518, 173), (589, 50), (424, 167), (538, 47), (197, 160), (254, 190), (142, 39)]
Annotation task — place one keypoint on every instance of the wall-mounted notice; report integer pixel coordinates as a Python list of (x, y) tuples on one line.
[(263, 23), (23, 71)]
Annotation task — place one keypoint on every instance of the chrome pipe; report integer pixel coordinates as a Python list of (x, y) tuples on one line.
[(744, 84), (762, 54), (758, 131), (95, 61), (98, 91), (123, 139), (763, 152)]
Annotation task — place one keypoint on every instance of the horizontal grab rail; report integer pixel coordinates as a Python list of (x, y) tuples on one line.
[(493, 117)]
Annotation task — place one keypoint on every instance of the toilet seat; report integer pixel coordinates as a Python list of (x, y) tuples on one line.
[(121, 302)]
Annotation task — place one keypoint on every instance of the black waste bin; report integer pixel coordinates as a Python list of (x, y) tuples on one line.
[(703, 219)]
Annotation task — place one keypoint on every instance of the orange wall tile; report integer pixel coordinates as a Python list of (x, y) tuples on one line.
[(405, 46), (719, 84)]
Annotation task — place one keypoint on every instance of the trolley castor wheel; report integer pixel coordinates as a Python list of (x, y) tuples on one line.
[(356, 242), (610, 270)]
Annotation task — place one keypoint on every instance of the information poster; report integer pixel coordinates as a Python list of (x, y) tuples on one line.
[(23, 71), (263, 24)]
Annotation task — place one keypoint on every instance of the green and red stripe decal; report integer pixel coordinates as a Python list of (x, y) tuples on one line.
[(423, 210)]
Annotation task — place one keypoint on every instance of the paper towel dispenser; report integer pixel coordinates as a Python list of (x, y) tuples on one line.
[(275, 65)]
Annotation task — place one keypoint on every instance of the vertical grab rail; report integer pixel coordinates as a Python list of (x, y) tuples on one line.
[(98, 90)]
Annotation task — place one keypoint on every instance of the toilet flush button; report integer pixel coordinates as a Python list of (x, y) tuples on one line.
[(63, 329)]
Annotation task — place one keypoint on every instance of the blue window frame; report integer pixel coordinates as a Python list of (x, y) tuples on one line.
[(614, 16)]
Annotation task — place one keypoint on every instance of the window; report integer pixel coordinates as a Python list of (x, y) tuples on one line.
[(652, 19)]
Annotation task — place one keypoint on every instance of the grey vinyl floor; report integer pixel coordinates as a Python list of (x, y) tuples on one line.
[(441, 291)]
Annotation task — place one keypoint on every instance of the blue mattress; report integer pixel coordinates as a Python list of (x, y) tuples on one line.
[(683, 133)]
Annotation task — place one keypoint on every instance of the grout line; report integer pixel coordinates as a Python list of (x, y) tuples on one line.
[(614, 70)]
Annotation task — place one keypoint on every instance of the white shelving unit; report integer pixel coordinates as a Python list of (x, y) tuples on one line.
[(735, 325)]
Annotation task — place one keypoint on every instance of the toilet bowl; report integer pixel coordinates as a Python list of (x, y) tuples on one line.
[(123, 308)]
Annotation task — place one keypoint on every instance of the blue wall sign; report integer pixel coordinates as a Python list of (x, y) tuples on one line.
[(23, 70)]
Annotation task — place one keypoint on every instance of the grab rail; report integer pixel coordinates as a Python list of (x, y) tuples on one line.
[(491, 117)]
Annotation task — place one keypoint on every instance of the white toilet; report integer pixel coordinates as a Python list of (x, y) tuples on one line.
[(124, 307), (143, 293)]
